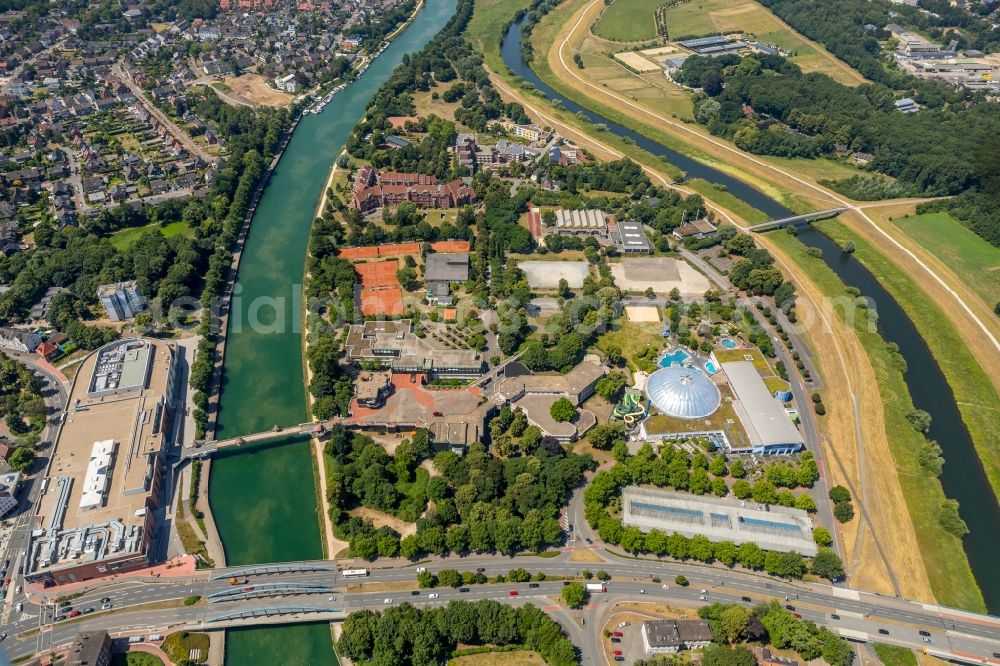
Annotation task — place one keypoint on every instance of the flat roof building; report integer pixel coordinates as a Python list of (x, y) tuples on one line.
[(589, 221), (121, 300), (535, 394), (394, 344), (719, 519), (767, 424), (90, 648), (672, 636), (631, 237), (96, 514)]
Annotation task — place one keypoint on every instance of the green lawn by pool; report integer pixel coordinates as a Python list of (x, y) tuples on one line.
[(974, 260)]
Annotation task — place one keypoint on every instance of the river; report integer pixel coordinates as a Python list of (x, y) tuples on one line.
[(963, 478), (263, 499)]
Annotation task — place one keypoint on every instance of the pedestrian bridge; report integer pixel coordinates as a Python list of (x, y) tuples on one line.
[(202, 449), (797, 220)]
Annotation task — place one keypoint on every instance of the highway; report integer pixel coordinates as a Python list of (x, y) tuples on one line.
[(145, 605)]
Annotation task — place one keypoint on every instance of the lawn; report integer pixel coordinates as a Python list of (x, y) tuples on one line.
[(632, 338), (513, 658), (124, 238), (974, 260), (179, 644), (944, 559), (629, 20), (486, 28), (974, 392), (135, 659), (698, 18), (893, 655)]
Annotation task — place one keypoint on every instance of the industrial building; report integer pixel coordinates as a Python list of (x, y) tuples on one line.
[(718, 519), (121, 300), (97, 512), (672, 636), (631, 238), (768, 426)]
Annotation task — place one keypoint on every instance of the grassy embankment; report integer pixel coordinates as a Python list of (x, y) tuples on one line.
[(974, 393), (893, 655), (124, 238), (974, 261), (947, 568)]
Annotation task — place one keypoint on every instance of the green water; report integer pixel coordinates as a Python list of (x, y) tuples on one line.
[(263, 498)]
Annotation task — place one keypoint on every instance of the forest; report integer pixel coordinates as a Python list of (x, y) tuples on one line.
[(403, 635), (22, 410), (481, 503)]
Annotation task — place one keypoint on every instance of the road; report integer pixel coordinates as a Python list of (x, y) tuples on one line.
[(178, 133), (143, 605)]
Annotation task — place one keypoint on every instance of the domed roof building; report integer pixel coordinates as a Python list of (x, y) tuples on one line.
[(684, 393)]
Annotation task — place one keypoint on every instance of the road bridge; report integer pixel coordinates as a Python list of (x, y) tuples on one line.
[(797, 220)]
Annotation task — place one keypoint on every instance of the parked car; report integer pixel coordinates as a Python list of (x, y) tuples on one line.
[(617, 653), (87, 611), (617, 634)]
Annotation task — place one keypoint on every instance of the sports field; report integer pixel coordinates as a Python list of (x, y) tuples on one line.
[(629, 20), (708, 17), (974, 260)]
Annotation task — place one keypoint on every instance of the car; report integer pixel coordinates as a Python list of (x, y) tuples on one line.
[(703, 597), (106, 600), (624, 624), (615, 639), (617, 634), (63, 603), (331, 598), (619, 658), (533, 585), (414, 593), (106, 606), (388, 600), (75, 613), (480, 569), (59, 618), (570, 527), (746, 599), (798, 615), (87, 611), (927, 640), (6, 564), (924, 633), (789, 607), (643, 591), (702, 591), (3, 637), (997, 655), (433, 595), (589, 540), (463, 589), (20, 607), (884, 632), (421, 569), (512, 593), (616, 653), (834, 616), (17, 590)]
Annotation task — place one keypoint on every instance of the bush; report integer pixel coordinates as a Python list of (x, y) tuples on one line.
[(840, 494), (574, 594), (192, 600), (682, 581), (843, 511)]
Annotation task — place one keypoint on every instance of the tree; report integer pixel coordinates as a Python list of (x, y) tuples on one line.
[(21, 459), (737, 470), (822, 536), (840, 494), (650, 294), (407, 278), (449, 578), (733, 623), (843, 511), (805, 502), (574, 595), (718, 655), (610, 386), (681, 580), (562, 410), (605, 435), (742, 489), (949, 519), (919, 419), (827, 564)]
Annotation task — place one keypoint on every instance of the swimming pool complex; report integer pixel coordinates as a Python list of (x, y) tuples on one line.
[(674, 358)]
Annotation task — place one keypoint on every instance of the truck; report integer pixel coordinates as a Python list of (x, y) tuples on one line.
[(597, 587), (237, 581)]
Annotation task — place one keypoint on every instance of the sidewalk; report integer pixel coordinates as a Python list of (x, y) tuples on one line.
[(178, 567)]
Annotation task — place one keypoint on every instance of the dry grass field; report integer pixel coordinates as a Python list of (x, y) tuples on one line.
[(254, 89)]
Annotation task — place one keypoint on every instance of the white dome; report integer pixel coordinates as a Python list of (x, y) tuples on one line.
[(682, 392)]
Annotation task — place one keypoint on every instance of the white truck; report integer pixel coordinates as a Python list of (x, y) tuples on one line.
[(597, 587)]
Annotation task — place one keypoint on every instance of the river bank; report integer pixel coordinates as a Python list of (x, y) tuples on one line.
[(510, 52)]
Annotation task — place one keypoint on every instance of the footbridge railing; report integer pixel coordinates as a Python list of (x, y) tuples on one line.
[(797, 220)]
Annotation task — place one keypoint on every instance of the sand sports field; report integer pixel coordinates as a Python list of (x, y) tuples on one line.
[(642, 313), (546, 274), (636, 61), (663, 274)]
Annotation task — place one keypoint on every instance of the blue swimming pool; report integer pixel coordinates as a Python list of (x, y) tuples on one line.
[(728, 343), (674, 358), (710, 368)]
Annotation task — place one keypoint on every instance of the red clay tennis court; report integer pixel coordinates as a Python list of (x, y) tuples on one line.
[(386, 300), (401, 249), (377, 274)]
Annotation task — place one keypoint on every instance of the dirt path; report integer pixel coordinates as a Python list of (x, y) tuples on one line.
[(833, 345), (380, 519), (333, 544)]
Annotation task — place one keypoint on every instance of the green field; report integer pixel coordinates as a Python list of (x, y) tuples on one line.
[(974, 260), (893, 655), (944, 559), (977, 400), (486, 28), (124, 238), (629, 20), (698, 18)]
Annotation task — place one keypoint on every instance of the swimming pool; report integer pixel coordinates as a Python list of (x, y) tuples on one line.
[(728, 343), (674, 358), (710, 368)]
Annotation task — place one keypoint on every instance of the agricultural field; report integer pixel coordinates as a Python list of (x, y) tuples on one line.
[(629, 20), (698, 18), (974, 260)]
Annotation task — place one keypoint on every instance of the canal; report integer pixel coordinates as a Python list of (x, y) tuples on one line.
[(263, 499), (963, 478)]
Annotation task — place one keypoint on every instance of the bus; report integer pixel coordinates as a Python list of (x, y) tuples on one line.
[(354, 573)]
